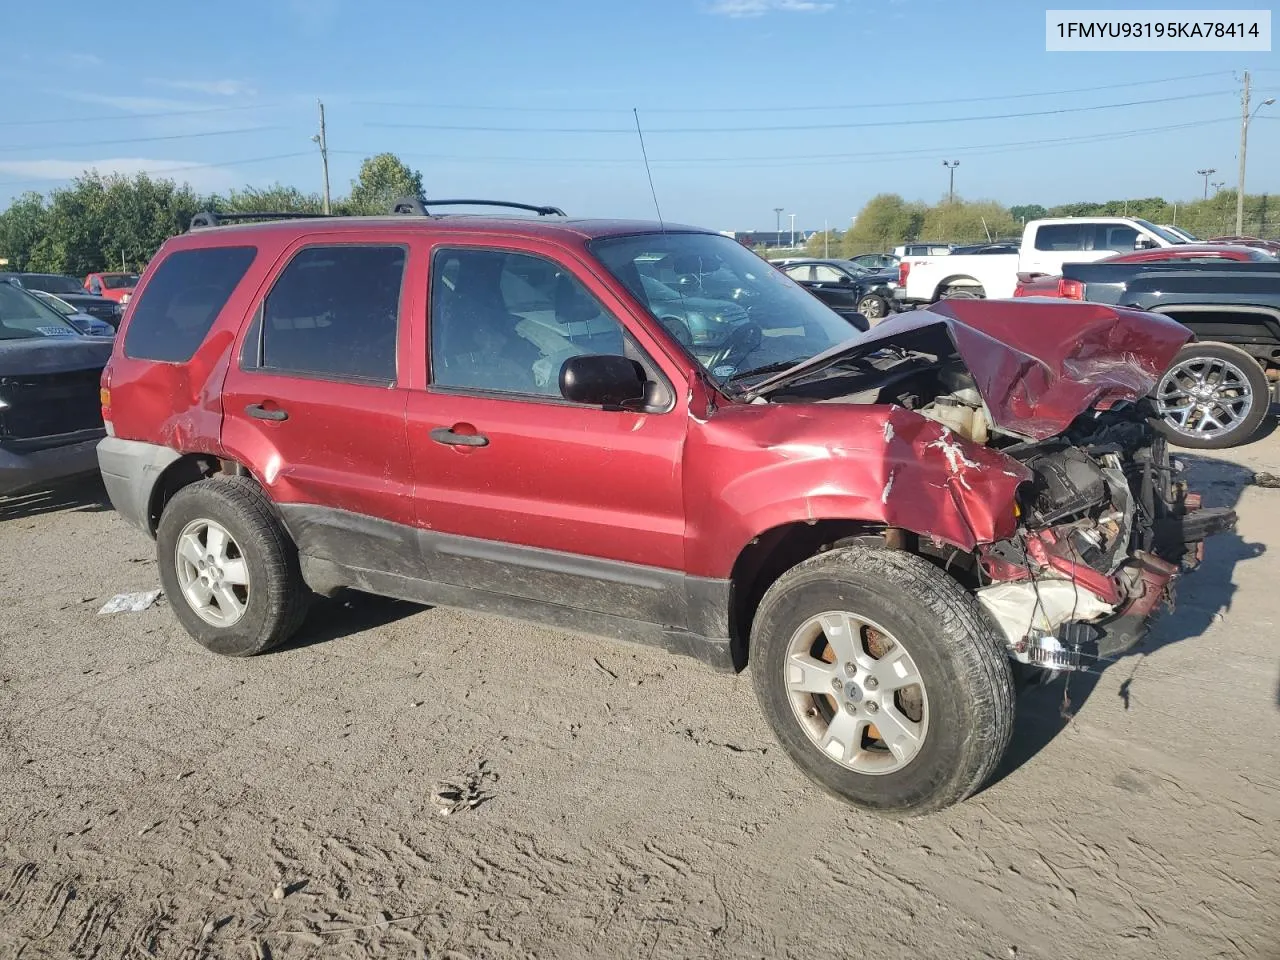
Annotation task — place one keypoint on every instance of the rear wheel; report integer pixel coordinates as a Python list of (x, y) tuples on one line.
[(882, 680), (1213, 396), (228, 567), (873, 307), (963, 293)]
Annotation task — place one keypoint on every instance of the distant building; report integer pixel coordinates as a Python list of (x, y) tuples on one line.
[(768, 238)]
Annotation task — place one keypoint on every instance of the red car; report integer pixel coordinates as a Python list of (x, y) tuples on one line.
[(510, 415), (1055, 286), (114, 286)]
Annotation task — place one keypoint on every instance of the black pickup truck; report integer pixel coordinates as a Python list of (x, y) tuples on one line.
[(1221, 385)]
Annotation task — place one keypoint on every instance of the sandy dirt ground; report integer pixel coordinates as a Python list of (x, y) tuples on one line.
[(158, 801)]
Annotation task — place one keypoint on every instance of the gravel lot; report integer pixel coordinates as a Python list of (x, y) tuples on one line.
[(158, 801)]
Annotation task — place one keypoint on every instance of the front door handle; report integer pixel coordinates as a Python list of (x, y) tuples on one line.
[(447, 436), (262, 413)]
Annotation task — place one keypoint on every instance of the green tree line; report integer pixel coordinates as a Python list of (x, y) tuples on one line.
[(116, 222), (888, 220)]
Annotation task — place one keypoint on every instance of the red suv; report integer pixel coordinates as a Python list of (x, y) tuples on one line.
[(645, 432)]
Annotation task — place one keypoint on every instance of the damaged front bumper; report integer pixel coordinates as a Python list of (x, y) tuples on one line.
[(1070, 594)]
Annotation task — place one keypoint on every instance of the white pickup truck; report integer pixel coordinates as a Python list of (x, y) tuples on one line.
[(1046, 246)]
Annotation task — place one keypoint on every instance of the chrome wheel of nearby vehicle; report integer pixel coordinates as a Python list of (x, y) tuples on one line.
[(1204, 397), (873, 307), (212, 572), (856, 692)]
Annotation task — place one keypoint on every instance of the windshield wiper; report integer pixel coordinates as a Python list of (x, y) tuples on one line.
[(777, 367)]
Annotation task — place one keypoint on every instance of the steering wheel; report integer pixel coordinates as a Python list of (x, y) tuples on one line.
[(738, 345)]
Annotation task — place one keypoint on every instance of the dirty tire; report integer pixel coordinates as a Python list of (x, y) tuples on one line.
[(278, 597), (1243, 430), (960, 657)]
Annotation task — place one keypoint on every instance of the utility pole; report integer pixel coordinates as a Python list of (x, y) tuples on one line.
[(793, 230), (1245, 117), (951, 189), (324, 155), (1244, 146), (1206, 173)]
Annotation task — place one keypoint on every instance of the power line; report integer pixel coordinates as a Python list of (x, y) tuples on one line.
[(797, 108), (104, 143), (159, 171), (807, 158), (797, 127), (137, 116)]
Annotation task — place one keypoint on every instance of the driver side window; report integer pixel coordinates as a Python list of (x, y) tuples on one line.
[(506, 322)]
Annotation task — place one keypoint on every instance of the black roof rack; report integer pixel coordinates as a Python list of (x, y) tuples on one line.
[(207, 218), (416, 207)]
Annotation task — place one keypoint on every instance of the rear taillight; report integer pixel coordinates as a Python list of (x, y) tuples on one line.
[(1019, 291), (903, 269), (104, 396), (1070, 289)]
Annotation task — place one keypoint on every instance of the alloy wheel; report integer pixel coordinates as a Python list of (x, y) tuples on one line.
[(856, 693)]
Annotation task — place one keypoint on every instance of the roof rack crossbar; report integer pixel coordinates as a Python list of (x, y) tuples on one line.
[(208, 218), (416, 207)]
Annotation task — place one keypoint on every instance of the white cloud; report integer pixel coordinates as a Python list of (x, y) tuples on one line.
[(758, 8), (214, 88), (79, 59), (205, 176)]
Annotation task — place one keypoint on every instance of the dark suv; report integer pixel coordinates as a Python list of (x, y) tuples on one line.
[(506, 414)]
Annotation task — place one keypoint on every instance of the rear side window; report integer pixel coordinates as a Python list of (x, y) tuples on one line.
[(181, 301), (1119, 239), (333, 314), (1061, 236)]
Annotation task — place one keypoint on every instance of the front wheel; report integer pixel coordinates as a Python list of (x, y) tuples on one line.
[(883, 680), (1213, 396)]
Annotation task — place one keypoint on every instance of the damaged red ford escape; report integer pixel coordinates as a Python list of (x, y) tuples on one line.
[(645, 432)]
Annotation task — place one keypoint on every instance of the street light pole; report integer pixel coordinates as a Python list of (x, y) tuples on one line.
[(1206, 173), (951, 189), (793, 230), (777, 225), (1245, 117)]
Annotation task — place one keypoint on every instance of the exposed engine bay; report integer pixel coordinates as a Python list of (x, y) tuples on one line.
[(1103, 526)]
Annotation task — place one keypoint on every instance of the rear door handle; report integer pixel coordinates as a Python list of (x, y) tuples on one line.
[(447, 436), (262, 413)]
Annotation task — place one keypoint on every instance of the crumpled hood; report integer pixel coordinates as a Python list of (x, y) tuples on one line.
[(1038, 365)]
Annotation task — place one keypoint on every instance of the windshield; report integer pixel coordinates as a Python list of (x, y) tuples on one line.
[(735, 313), (48, 299), (51, 283), (23, 317), (119, 281), (1160, 232)]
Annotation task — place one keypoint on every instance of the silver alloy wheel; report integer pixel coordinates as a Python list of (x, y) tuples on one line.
[(856, 692), (1204, 397), (212, 572), (871, 307)]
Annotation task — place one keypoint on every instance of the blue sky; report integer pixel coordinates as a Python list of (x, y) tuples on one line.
[(748, 105)]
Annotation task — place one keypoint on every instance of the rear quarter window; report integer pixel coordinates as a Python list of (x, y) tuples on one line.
[(181, 301)]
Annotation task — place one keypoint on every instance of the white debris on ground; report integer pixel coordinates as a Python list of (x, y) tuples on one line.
[(130, 602)]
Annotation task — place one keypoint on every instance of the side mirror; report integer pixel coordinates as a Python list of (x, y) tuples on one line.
[(605, 381), (1143, 243)]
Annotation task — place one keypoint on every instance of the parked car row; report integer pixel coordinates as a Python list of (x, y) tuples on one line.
[(71, 292)]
